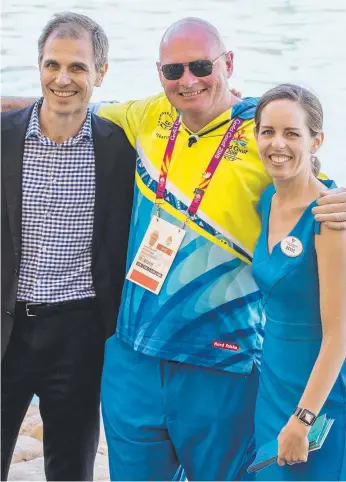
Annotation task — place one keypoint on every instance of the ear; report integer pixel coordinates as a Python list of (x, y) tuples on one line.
[(229, 56), (40, 63), (317, 142), (100, 75), (158, 66), (255, 133)]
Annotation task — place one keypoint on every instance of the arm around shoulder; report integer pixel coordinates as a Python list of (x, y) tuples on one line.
[(128, 115), (331, 208), (15, 103)]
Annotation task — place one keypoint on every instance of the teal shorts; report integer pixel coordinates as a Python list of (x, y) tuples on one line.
[(160, 415)]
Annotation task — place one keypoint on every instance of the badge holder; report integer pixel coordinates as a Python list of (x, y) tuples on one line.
[(156, 253)]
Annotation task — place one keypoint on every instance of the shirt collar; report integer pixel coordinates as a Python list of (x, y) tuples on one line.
[(218, 120), (34, 129), (85, 131), (244, 110)]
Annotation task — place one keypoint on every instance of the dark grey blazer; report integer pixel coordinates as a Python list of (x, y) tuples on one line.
[(115, 169)]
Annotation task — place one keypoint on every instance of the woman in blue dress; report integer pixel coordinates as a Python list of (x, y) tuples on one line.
[(300, 266)]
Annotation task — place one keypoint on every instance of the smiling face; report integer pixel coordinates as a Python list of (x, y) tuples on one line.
[(68, 74), (284, 140), (193, 95)]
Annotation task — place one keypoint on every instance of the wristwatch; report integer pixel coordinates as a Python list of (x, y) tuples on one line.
[(308, 418)]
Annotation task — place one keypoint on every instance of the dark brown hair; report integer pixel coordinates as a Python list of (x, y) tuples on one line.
[(306, 99), (74, 25)]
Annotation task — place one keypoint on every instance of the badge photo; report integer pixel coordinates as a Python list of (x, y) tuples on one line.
[(156, 254), (291, 246)]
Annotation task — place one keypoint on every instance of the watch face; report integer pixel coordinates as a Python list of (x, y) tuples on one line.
[(307, 416)]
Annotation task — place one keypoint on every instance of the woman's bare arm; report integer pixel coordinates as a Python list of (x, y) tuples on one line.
[(331, 259)]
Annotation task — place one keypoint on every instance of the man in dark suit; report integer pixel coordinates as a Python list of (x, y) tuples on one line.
[(67, 182)]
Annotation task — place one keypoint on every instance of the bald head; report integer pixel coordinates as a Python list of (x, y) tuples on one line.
[(193, 27), (200, 94)]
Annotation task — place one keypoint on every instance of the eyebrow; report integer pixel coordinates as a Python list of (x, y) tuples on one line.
[(286, 128), (50, 61), (80, 64), (73, 64)]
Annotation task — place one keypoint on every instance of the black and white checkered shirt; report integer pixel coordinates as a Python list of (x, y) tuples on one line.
[(57, 215)]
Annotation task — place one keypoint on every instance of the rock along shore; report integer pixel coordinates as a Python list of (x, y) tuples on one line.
[(27, 461)]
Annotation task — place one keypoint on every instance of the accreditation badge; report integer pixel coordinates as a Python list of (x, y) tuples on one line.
[(156, 254), (291, 246)]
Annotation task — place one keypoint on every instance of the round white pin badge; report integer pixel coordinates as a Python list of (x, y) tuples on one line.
[(291, 246)]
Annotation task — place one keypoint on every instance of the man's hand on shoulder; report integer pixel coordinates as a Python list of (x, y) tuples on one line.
[(331, 209), (236, 93), (13, 103)]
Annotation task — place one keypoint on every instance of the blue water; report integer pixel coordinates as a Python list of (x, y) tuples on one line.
[(301, 41)]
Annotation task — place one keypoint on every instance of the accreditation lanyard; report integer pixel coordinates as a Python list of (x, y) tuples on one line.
[(162, 240), (206, 176)]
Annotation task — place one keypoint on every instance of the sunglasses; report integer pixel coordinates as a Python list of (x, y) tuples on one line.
[(199, 68)]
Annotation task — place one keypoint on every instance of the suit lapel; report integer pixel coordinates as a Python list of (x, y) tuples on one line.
[(104, 163), (13, 139)]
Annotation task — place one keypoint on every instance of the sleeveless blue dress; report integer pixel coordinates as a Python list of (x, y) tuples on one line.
[(293, 335)]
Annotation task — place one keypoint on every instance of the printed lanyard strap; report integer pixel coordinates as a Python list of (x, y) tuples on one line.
[(206, 176), (167, 159)]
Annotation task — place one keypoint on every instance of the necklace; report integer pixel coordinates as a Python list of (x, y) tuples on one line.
[(194, 137)]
